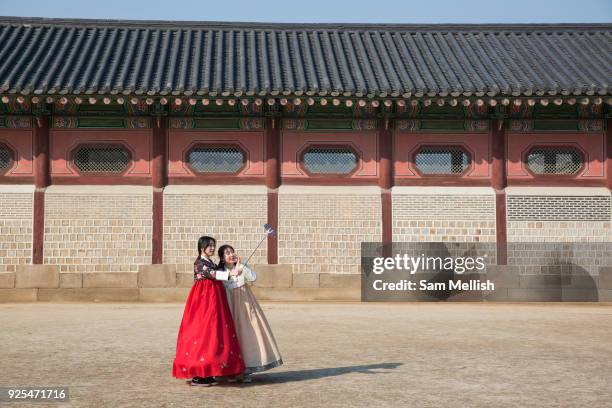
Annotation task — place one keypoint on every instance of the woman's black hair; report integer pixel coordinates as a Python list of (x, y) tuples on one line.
[(203, 243), (221, 253)]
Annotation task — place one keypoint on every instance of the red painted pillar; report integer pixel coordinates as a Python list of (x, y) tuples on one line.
[(609, 155), (41, 181), (499, 183), (273, 182), (159, 181), (273, 152), (385, 181)]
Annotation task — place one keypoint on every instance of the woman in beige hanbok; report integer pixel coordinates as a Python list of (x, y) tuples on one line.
[(259, 349)]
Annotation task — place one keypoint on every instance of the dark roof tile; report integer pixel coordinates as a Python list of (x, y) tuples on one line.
[(39, 56)]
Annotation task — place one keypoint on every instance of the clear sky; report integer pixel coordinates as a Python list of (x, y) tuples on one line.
[(323, 11)]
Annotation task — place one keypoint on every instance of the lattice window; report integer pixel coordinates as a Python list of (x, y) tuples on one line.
[(6, 158), (442, 160), (554, 160), (228, 159), (101, 159), (330, 160)]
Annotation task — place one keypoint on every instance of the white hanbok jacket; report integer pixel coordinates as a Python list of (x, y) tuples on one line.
[(247, 275)]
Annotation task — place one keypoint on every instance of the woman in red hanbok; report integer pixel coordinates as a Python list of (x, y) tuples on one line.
[(207, 345)]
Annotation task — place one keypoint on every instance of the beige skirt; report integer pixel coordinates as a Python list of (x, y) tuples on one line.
[(259, 349)]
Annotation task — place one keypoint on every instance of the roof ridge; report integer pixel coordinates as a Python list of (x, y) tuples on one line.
[(304, 26)]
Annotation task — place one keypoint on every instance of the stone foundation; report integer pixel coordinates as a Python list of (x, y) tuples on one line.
[(161, 283)]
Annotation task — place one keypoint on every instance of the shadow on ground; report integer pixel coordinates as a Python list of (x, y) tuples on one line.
[(304, 375)]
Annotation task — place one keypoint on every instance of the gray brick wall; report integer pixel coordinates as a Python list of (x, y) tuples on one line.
[(322, 233), (235, 219), (97, 230), (444, 217), (15, 230)]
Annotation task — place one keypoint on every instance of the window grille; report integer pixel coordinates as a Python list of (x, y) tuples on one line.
[(216, 159), (554, 160), (6, 158), (442, 160), (101, 159), (330, 160)]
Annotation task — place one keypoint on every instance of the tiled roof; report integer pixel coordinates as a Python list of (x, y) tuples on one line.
[(48, 56)]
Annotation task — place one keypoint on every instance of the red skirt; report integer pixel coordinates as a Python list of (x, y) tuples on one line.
[(207, 344)]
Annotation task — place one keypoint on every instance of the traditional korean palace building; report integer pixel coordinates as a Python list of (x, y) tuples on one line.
[(122, 142)]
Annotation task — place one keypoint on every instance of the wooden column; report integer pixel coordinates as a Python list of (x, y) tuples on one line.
[(385, 181), (609, 154), (273, 162), (41, 181), (159, 181), (499, 183)]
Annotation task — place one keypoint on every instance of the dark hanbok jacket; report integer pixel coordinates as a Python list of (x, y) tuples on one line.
[(204, 269)]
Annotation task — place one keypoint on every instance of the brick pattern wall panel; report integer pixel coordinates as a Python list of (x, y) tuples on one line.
[(444, 218), (15, 230), (323, 233), (559, 231), (98, 232), (543, 221), (558, 208), (230, 218), (559, 219), (559, 248)]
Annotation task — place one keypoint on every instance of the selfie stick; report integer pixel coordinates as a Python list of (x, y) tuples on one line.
[(269, 231)]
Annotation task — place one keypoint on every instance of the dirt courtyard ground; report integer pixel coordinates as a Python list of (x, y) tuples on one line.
[(336, 354)]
